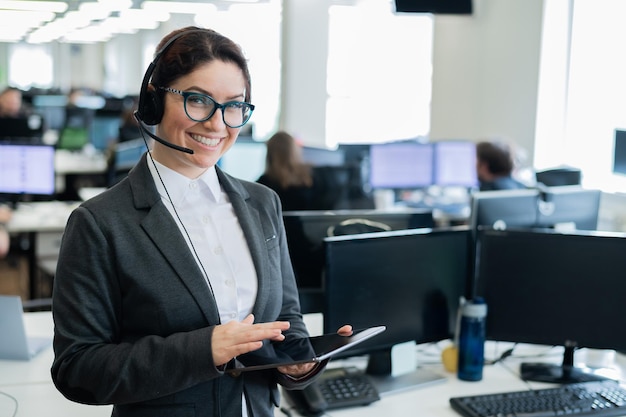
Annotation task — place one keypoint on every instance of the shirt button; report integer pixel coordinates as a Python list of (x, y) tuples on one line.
[(218, 250), (193, 185), (230, 283), (205, 219)]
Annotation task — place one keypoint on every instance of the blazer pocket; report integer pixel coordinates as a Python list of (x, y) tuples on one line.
[(271, 241)]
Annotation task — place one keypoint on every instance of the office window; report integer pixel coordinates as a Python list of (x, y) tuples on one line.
[(261, 45), (370, 78), (30, 66), (592, 100)]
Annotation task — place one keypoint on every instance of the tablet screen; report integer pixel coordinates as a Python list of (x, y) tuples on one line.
[(301, 350)]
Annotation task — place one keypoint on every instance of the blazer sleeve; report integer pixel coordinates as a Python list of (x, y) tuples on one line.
[(94, 363)]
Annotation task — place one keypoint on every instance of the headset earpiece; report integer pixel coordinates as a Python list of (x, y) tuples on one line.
[(151, 107)]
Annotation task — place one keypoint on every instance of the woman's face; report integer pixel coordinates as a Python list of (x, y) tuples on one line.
[(209, 140)]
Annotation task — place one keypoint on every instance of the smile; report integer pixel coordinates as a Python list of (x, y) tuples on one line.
[(205, 141)]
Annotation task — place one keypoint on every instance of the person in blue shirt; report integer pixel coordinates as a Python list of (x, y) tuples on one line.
[(494, 166)]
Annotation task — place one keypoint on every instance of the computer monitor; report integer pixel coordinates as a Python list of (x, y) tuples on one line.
[(73, 138), (568, 205), (245, 159), (619, 152), (401, 165), (126, 155), (455, 163), (52, 108), (552, 288), (24, 129), (306, 231), (104, 131), (502, 209), (572, 206), (26, 169), (323, 156), (411, 281)]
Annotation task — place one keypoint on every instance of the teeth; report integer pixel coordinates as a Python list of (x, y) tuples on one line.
[(205, 141)]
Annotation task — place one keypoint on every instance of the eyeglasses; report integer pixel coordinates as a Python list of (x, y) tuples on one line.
[(201, 107)]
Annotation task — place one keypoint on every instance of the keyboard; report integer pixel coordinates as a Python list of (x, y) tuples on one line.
[(585, 399)]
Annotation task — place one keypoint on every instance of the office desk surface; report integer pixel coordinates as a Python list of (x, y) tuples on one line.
[(30, 383), (68, 162), (44, 216)]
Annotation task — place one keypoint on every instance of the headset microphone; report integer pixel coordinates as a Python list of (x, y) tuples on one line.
[(150, 107), (162, 141)]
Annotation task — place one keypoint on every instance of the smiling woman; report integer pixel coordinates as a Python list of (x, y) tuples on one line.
[(188, 267)]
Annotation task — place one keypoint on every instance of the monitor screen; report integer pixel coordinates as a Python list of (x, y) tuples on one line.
[(306, 231), (245, 160), (52, 108), (410, 281), (27, 169), (619, 152), (128, 153), (547, 287), (569, 205), (323, 156), (26, 129), (504, 208), (104, 131), (73, 138), (455, 163), (401, 165)]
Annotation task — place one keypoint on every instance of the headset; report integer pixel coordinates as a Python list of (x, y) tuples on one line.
[(150, 107)]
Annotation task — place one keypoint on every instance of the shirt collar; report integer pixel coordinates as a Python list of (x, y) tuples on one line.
[(169, 181)]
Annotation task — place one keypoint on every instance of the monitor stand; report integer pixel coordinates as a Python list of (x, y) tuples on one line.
[(379, 368), (566, 373)]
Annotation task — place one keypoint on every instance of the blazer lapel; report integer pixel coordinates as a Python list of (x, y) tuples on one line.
[(163, 231), (250, 220)]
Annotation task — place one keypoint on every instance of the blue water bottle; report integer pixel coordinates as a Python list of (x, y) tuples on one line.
[(472, 340)]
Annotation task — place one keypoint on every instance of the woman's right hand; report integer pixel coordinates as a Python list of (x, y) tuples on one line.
[(238, 337)]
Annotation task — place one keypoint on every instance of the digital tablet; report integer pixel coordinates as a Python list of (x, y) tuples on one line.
[(301, 350)]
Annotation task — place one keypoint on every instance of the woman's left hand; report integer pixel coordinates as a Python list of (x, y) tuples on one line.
[(302, 369)]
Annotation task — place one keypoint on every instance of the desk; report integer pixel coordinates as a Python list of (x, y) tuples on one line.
[(75, 170), (43, 224), (31, 384)]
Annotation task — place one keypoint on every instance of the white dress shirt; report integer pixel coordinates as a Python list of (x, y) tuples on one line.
[(207, 221)]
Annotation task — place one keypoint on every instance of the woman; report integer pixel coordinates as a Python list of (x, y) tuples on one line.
[(166, 278), (287, 173)]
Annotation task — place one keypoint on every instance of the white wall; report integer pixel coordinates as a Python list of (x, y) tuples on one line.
[(486, 72)]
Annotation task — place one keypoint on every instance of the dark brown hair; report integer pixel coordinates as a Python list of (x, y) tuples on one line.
[(497, 156), (194, 47)]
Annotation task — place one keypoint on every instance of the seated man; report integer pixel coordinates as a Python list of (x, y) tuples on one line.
[(494, 166)]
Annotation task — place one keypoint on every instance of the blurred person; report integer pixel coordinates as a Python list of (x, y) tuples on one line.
[(11, 103), (5, 240), (288, 174), (495, 165)]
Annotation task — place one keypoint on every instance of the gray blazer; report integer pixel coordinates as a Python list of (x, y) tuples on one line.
[(133, 314)]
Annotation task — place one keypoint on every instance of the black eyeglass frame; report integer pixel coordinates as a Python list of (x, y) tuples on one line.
[(217, 105)]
